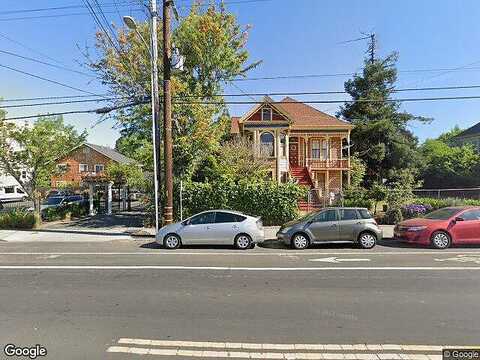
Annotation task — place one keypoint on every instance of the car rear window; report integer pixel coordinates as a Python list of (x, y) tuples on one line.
[(364, 214), (223, 217)]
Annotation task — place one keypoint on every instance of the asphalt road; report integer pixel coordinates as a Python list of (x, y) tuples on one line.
[(101, 301)]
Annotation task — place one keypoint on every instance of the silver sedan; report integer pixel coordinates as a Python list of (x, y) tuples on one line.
[(213, 227)]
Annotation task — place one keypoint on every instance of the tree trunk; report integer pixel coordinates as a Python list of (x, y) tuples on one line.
[(37, 212)]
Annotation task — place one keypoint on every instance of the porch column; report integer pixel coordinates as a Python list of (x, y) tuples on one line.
[(278, 154), (329, 149), (287, 150), (255, 142), (327, 186), (109, 198), (348, 156), (91, 210), (305, 141), (124, 197)]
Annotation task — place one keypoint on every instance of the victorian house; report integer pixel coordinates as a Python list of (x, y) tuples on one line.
[(302, 143)]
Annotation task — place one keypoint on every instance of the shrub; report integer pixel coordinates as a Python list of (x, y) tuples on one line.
[(357, 197), (435, 204), (414, 210), (17, 219), (275, 203), (393, 216), (60, 213)]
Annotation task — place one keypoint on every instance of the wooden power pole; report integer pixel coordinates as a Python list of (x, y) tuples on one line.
[(167, 112)]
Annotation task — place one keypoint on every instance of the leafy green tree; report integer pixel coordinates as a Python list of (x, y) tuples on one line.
[(235, 160), (447, 165), (34, 148), (214, 49), (381, 137), (130, 175)]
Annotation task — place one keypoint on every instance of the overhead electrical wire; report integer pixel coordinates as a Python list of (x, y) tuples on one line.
[(45, 63), (46, 79), (109, 109)]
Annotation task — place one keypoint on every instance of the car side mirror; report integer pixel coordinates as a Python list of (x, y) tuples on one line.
[(458, 218), (186, 222)]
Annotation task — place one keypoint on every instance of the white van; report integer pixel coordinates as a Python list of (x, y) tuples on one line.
[(11, 193)]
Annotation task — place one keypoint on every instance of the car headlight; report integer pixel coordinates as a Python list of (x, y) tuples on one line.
[(416, 228)]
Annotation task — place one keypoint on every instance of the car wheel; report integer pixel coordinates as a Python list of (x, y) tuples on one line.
[(243, 242), (367, 240), (441, 240), (300, 241), (171, 242)]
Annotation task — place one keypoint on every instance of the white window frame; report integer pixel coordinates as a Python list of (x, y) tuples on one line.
[(103, 168), (271, 153), (270, 113), (80, 168), (325, 150), (316, 150)]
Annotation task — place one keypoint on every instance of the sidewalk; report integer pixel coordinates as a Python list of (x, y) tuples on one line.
[(109, 234)]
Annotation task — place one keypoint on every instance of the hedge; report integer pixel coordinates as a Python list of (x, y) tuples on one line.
[(274, 203), (60, 213), (17, 219), (435, 204)]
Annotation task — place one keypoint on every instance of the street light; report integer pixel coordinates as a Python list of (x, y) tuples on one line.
[(153, 50)]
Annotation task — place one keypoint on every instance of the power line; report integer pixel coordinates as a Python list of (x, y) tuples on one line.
[(45, 79), (109, 109), (66, 7), (57, 15), (46, 63), (57, 103), (243, 94)]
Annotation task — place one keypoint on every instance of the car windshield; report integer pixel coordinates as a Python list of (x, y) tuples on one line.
[(53, 201), (442, 214)]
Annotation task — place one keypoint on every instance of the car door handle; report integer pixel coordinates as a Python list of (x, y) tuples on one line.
[(208, 227), (334, 225)]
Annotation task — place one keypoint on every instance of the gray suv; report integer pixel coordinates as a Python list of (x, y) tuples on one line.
[(332, 225)]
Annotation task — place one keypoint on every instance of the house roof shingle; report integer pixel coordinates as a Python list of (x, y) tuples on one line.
[(111, 154), (474, 130), (304, 115)]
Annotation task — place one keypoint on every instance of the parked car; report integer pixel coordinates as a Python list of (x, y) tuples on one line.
[(12, 193), (442, 228), (213, 227), (56, 193), (58, 201), (354, 225)]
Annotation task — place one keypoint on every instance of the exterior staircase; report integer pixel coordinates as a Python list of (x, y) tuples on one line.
[(304, 178)]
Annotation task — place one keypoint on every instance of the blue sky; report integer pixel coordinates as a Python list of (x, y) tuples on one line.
[(291, 37)]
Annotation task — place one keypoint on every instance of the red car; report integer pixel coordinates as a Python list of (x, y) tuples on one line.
[(442, 228)]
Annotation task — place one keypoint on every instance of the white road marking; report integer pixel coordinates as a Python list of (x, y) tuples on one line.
[(271, 355), (463, 258), (236, 253), (227, 268), (335, 260), (253, 346)]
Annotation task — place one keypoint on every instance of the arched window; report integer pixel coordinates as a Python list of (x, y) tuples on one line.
[(267, 144)]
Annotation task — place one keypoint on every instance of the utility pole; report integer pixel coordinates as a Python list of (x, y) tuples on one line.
[(155, 112), (372, 47), (167, 112)]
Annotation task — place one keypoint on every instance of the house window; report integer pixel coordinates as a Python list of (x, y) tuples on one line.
[(24, 175), (324, 152), (266, 114), (83, 168), (10, 190), (62, 167), (316, 149), (99, 168), (283, 146), (267, 145)]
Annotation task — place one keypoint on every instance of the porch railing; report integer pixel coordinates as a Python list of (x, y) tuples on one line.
[(315, 163)]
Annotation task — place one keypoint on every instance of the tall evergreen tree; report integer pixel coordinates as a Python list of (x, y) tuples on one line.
[(381, 137)]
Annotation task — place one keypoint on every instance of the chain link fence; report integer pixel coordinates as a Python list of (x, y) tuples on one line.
[(466, 193)]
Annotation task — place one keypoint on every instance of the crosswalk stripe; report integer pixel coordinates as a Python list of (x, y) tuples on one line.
[(254, 346), (271, 355)]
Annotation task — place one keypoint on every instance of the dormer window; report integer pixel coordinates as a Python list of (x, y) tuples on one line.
[(266, 114)]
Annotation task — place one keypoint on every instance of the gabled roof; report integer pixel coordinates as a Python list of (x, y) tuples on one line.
[(474, 130), (111, 153), (266, 100), (304, 115)]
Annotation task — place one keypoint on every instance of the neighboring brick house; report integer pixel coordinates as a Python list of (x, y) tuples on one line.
[(87, 160), (302, 142), (469, 136)]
